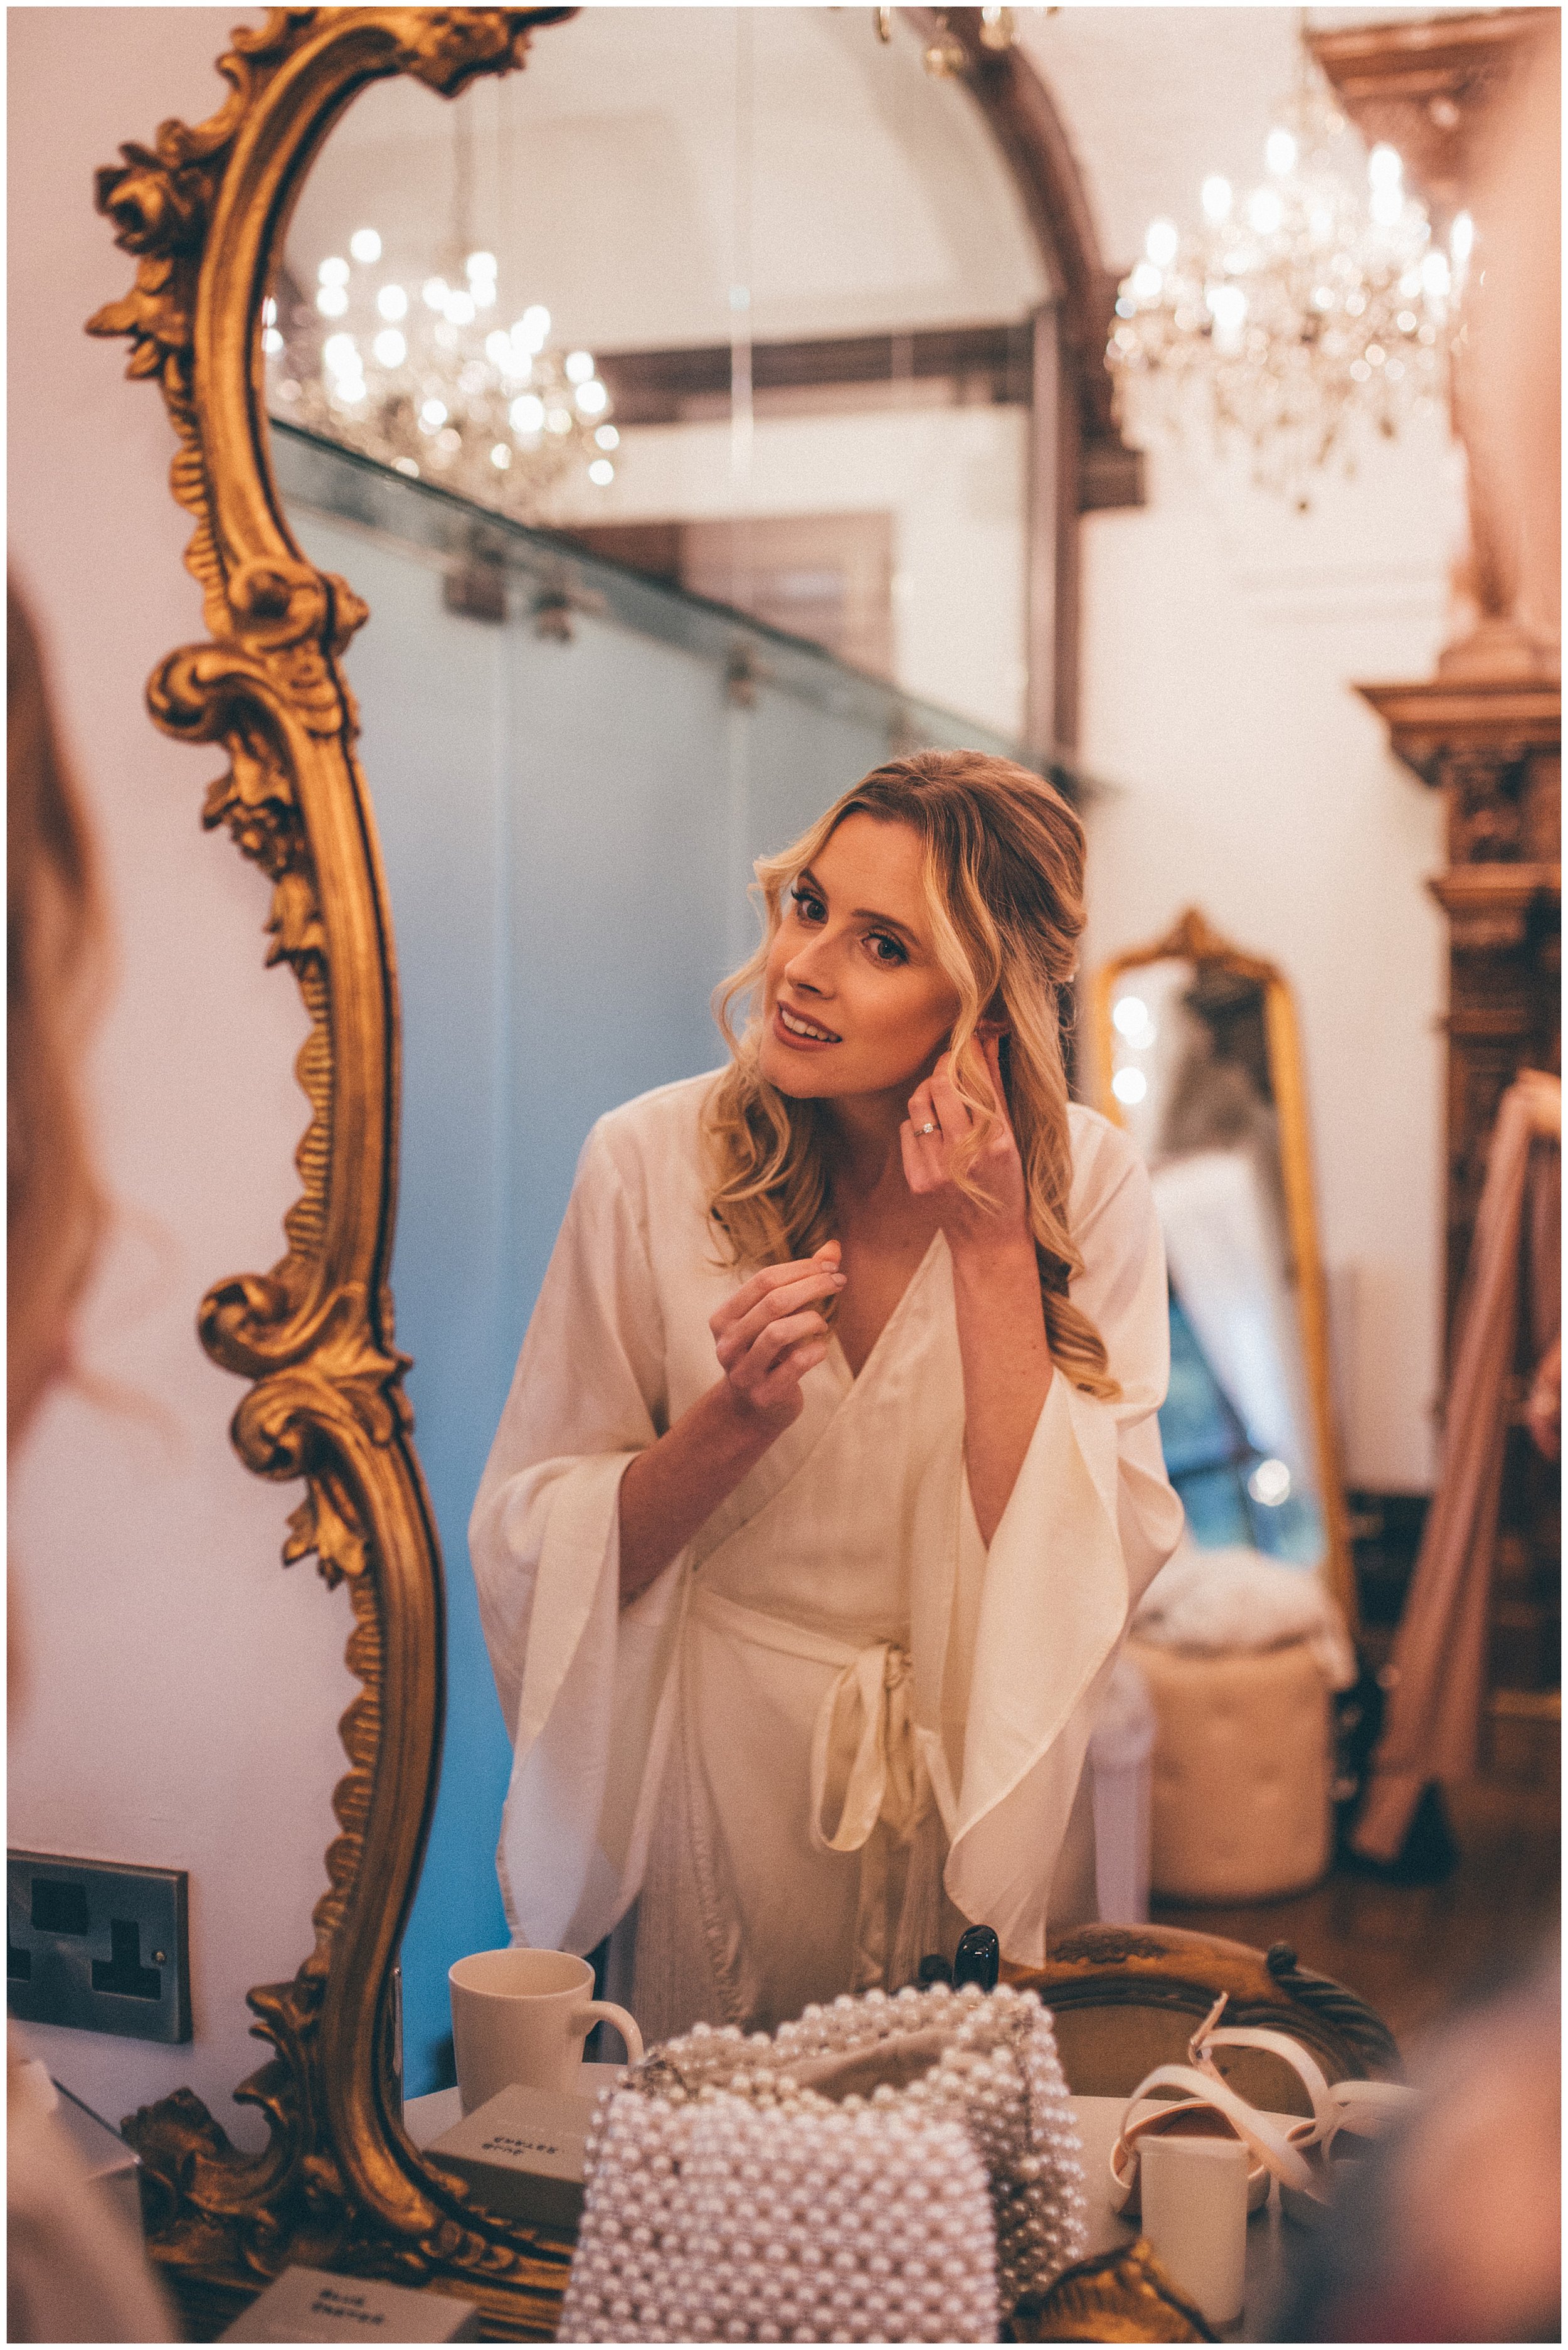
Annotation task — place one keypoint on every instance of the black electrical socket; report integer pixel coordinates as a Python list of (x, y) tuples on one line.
[(98, 1945)]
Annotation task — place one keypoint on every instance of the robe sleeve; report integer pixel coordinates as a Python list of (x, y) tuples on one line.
[(1090, 1521), (583, 1682)]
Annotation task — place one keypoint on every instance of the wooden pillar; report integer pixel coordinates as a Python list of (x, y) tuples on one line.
[(1493, 749), (1051, 715)]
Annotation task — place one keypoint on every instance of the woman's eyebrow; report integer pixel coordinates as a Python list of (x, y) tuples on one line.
[(861, 913)]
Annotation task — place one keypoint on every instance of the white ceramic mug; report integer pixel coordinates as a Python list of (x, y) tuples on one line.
[(522, 2016)]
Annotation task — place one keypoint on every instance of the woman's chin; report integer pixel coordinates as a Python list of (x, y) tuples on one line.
[(799, 1074)]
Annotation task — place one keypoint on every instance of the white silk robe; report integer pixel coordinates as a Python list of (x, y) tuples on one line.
[(837, 1726)]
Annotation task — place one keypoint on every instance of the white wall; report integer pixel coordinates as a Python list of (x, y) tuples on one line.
[(1222, 634), (953, 480), (1244, 776), (180, 1692)]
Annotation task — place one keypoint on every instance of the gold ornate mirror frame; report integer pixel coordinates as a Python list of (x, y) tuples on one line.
[(205, 211), (1192, 941)]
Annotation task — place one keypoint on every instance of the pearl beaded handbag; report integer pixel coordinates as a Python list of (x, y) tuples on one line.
[(895, 2170)]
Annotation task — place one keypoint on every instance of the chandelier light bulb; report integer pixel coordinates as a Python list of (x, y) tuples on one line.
[(434, 414), (332, 301), (579, 366), (481, 265), (592, 397), (390, 348), (527, 414), (608, 437), (1145, 281), (557, 420), (500, 456), (1227, 306), (1385, 167), (460, 309), (601, 473), (436, 292), (1217, 198), (534, 326), (1436, 276), (392, 304), (365, 244), (1265, 211), (334, 271), (1461, 239), (1161, 243), (1280, 153)]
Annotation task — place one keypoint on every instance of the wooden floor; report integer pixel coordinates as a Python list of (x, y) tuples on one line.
[(1415, 1953)]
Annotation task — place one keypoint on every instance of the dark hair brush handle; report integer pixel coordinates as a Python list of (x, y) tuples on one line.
[(978, 1959)]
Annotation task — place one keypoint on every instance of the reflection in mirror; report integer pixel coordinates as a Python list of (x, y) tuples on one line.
[(1194, 1046), (741, 297), (640, 282)]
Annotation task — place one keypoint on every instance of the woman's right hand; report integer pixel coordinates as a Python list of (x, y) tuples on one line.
[(769, 1335)]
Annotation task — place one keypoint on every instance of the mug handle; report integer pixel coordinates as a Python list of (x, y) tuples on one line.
[(595, 2010)]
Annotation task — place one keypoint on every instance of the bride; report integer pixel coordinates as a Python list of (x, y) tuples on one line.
[(831, 1473)]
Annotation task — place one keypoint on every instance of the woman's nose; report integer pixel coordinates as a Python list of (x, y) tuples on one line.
[(809, 967)]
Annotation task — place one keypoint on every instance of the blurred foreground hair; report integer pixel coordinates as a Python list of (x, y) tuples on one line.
[(54, 962)]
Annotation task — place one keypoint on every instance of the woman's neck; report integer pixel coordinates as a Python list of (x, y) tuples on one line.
[(865, 1163)]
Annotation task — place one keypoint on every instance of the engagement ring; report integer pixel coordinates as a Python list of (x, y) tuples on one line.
[(929, 1127)]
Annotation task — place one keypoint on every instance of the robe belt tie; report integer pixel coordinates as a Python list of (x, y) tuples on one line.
[(864, 1753)]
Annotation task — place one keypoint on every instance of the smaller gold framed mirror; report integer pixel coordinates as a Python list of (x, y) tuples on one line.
[(1199, 1060)]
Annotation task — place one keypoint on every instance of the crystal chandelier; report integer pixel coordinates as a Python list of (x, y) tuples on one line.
[(428, 383), (1295, 321)]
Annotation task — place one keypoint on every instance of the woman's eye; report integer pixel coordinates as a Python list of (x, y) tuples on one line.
[(884, 949), (809, 907)]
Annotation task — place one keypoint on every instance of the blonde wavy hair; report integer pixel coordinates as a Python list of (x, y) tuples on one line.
[(1004, 871), (55, 956)]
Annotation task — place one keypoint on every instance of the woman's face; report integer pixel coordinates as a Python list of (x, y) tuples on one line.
[(855, 1001)]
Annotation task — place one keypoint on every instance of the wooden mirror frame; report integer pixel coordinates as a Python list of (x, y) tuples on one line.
[(1193, 941), (205, 211)]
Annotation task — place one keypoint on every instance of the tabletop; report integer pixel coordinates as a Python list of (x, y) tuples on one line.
[(1268, 2233)]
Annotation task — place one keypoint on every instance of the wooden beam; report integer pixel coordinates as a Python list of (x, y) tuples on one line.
[(993, 363), (652, 387), (1425, 87)]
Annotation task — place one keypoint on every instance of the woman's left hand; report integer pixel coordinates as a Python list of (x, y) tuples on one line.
[(938, 1121)]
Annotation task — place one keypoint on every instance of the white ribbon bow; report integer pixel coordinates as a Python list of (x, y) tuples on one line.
[(865, 1755)]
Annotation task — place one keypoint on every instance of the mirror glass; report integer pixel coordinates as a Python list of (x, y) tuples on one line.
[(1194, 1086), (636, 617)]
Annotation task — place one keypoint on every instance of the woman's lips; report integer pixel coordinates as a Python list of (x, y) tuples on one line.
[(814, 1043)]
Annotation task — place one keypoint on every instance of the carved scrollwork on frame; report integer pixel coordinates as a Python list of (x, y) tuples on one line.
[(203, 211)]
